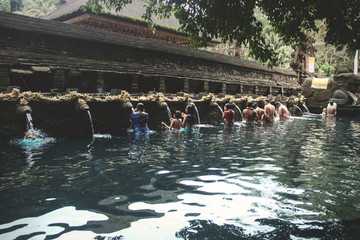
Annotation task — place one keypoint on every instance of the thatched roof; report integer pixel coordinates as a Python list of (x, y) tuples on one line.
[(135, 10)]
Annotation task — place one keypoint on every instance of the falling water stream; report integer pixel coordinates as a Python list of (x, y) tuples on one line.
[(305, 107), (91, 122), (237, 107), (222, 112), (299, 109), (29, 121), (168, 112), (197, 112)]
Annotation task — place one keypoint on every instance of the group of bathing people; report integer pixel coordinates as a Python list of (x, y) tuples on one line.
[(186, 120)]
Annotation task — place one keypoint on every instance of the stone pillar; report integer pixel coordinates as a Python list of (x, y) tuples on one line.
[(270, 90), (223, 87), (59, 79), (206, 86), (100, 82), (242, 89), (282, 91), (4, 78), (186, 85), (134, 84), (162, 85)]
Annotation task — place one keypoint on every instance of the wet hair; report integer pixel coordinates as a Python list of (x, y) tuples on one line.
[(267, 100), (140, 107), (249, 104), (331, 102), (177, 114), (255, 105), (276, 103)]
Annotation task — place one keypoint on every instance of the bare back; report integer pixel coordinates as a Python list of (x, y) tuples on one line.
[(269, 113)]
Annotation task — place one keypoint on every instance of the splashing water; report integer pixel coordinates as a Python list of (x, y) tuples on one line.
[(222, 112), (197, 112), (237, 107)]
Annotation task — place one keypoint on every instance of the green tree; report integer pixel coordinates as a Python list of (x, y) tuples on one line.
[(5, 6), (38, 8), (15, 5), (235, 20)]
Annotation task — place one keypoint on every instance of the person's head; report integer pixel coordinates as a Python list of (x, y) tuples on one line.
[(255, 105), (140, 107), (190, 109), (277, 104), (227, 106), (30, 134), (177, 114), (331, 102), (267, 101), (324, 109), (249, 104)]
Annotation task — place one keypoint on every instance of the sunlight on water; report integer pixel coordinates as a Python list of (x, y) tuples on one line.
[(289, 180), (49, 224)]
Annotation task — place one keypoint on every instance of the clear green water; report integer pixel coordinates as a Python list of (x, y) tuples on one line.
[(288, 180)]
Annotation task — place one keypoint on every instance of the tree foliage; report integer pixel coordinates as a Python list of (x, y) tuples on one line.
[(38, 8), (5, 6), (235, 20)]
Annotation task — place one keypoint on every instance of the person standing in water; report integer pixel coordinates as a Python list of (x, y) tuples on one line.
[(269, 112), (249, 113), (284, 113), (175, 122), (139, 119), (188, 118), (258, 110), (229, 115), (331, 110)]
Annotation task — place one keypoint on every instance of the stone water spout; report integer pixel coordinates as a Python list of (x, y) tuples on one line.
[(23, 107), (166, 106), (81, 105), (128, 105)]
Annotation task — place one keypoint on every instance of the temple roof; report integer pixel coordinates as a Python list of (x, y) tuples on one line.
[(134, 10)]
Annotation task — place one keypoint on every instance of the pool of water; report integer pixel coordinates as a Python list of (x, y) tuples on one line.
[(288, 180)]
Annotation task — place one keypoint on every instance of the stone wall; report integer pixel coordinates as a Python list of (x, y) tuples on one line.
[(344, 89), (92, 60)]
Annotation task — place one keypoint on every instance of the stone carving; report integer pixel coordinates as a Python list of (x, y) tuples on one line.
[(344, 89)]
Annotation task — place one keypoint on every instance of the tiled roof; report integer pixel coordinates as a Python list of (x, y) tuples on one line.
[(135, 10)]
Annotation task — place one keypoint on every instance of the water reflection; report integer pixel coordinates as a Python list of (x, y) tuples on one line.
[(283, 180), (49, 224)]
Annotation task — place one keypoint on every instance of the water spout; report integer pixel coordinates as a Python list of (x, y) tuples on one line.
[(166, 106), (91, 122), (29, 121), (299, 109), (197, 112), (81, 106), (237, 107), (216, 104), (169, 113), (23, 109), (305, 107)]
